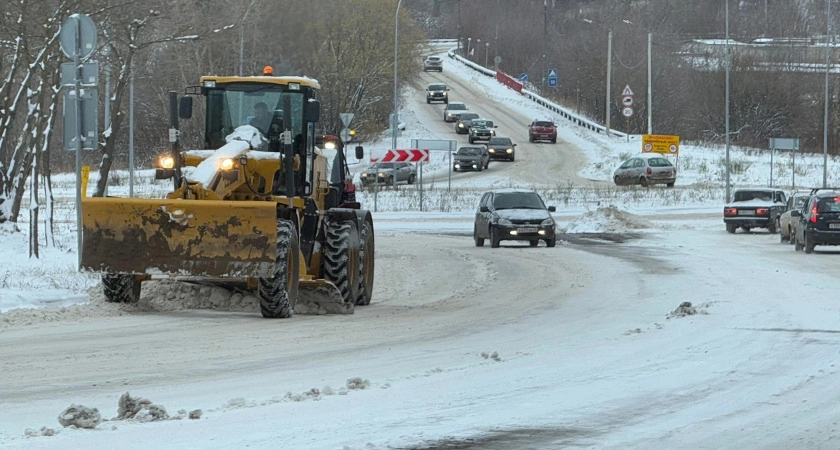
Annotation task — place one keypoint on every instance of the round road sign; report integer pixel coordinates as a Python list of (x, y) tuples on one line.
[(627, 100), (77, 36), (497, 59), (672, 148), (648, 147), (627, 112)]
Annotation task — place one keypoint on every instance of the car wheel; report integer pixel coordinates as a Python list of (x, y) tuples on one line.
[(530, 139), (550, 242), (534, 243), (790, 236), (512, 158), (615, 180), (670, 185), (554, 141), (479, 241), (644, 181), (796, 245), (411, 178), (471, 140), (782, 236), (773, 226), (494, 238), (730, 228), (428, 101), (809, 247)]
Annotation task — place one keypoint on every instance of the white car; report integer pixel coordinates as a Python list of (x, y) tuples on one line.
[(433, 63)]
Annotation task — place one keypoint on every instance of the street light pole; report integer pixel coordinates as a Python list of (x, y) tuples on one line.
[(396, 99), (486, 52), (827, 70), (609, 75), (242, 37), (650, 86), (726, 64), (469, 44)]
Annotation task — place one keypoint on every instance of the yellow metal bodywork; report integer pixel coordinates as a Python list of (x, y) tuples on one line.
[(208, 238)]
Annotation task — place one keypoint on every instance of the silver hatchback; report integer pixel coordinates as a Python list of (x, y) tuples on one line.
[(646, 170)]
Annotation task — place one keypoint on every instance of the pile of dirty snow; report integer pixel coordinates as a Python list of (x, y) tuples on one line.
[(607, 219)]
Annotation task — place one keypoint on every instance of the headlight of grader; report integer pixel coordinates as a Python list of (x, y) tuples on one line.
[(166, 162), (227, 164)]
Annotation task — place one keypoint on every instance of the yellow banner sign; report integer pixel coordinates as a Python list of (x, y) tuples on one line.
[(661, 143)]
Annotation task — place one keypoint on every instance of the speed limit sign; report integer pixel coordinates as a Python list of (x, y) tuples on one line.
[(627, 112)]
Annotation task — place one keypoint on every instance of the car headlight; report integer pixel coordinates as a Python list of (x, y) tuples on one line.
[(505, 222), (510, 150), (460, 125), (444, 94), (364, 175), (547, 223), (381, 174)]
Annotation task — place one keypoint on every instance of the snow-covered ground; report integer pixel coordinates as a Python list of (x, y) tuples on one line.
[(647, 327)]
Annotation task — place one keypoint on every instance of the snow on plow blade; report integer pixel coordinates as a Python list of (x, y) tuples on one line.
[(317, 297), (206, 238)]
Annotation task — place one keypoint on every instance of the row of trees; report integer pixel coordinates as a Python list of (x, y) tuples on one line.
[(164, 45)]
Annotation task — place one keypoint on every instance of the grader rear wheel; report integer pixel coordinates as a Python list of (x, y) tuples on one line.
[(341, 258), (278, 293), (366, 264)]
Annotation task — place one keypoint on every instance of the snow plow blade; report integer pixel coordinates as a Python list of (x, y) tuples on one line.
[(318, 297), (206, 238)]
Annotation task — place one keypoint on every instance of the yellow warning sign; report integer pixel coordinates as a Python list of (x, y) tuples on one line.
[(85, 175), (661, 143)]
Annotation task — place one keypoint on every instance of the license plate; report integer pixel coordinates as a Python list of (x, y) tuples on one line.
[(834, 226), (746, 213), (533, 230)]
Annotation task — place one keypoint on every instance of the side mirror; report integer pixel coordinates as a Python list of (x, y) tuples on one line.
[(185, 107), (313, 111), (552, 209), (484, 209), (360, 152), (514, 145), (795, 213)]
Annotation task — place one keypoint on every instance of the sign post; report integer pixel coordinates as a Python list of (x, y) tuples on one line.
[(791, 144)]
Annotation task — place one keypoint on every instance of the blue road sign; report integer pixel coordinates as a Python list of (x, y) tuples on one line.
[(552, 82), (523, 77), (552, 77)]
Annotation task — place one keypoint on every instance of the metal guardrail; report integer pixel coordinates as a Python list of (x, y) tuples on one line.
[(542, 101)]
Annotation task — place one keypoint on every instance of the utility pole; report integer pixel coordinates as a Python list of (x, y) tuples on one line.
[(726, 64), (827, 70), (609, 81)]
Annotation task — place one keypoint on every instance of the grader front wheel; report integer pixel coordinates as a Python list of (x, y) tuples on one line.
[(341, 258), (278, 293)]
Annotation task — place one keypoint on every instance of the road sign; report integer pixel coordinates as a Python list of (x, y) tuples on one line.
[(627, 111), (346, 118), (411, 155), (89, 123), (627, 91), (77, 36), (523, 77), (90, 74), (552, 73), (552, 82), (497, 59), (345, 135), (784, 143), (627, 100), (660, 143)]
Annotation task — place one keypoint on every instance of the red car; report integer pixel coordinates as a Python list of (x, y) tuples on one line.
[(542, 130)]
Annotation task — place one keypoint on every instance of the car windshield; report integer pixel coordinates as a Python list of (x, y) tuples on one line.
[(500, 141), (468, 151), (466, 117), (799, 202), (743, 196), (482, 123), (541, 123), (459, 106), (433, 58), (659, 162), (518, 200), (378, 166), (437, 87)]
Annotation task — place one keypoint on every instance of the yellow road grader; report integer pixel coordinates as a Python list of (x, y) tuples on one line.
[(262, 207)]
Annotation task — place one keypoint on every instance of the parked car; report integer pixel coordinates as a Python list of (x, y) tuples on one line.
[(501, 147), (787, 221), (453, 110), (513, 215), (437, 92), (754, 208), (433, 63), (471, 158), (542, 130), (819, 221), (462, 125), (481, 130), (646, 170), (384, 172)]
